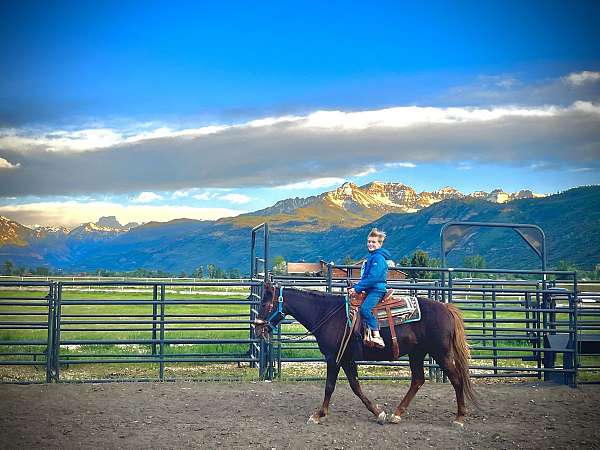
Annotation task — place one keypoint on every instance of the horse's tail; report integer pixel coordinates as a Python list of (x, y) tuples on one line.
[(462, 353)]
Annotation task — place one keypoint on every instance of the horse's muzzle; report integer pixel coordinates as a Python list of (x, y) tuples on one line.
[(260, 327)]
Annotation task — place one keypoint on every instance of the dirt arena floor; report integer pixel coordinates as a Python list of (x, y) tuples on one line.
[(273, 415)]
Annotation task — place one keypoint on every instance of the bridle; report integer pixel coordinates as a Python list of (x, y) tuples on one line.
[(274, 318)]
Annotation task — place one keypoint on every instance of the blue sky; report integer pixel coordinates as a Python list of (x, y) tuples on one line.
[(159, 110)]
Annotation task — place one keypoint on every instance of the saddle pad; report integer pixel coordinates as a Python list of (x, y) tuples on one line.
[(403, 308)]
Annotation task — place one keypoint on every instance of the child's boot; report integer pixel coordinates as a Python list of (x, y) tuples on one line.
[(376, 339)]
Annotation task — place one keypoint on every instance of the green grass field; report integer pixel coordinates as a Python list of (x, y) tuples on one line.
[(114, 325)]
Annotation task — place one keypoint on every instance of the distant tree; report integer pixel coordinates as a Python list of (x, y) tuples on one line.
[(566, 266), (41, 271), (213, 271), (405, 261), (279, 265), (7, 268), (183, 274), (198, 272), (474, 262), (435, 262), (348, 261), (233, 273), (420, 259)]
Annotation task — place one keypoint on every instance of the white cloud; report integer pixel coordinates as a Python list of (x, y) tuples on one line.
[(368, 171), (506, 82), (4, 164), (205, 196), (397, 117), (581, 78), (317, 183), (74, 213), (238, 199), (328, 145), (180, 193), (582, 169), (407, 165), (147, 197)]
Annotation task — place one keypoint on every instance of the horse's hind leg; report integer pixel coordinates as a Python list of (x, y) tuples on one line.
[(352, 374), (333, 371), (447, 364), (417, 373)]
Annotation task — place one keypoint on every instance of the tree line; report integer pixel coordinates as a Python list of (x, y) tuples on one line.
[(210, 271)]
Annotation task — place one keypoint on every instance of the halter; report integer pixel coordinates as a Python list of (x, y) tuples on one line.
[(275, 318)]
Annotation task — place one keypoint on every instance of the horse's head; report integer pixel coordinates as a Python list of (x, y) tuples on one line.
[(267, 305)]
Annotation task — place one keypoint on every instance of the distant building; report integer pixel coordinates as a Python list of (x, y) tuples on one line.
[(304, 268), (319, 269)]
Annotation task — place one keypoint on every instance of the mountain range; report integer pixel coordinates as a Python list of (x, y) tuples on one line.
[(331, 226), (351, 205)]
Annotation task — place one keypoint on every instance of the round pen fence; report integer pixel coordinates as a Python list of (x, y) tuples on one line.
[(517, 328), (26, 327), (63, 331), (128, 330)]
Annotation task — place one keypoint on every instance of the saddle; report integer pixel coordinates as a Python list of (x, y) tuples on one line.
[(391, 310)]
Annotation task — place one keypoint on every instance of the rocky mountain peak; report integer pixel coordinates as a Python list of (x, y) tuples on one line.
[(13, 233), (108, 221)]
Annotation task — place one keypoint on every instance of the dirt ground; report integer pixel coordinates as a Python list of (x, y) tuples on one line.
[(273, 415)]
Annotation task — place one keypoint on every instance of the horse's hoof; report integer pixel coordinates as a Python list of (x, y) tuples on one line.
[(458, 424), (381, 418), (313, 419), (394, 418)]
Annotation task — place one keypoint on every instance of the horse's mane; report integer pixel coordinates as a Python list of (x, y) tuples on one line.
[(317, 295)]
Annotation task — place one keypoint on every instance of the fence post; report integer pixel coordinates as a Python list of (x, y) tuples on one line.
[(154, 316), (573, 336), (56, 349), (450, 285), (50, 341), (255, 292), (329, 277), (161, 374)]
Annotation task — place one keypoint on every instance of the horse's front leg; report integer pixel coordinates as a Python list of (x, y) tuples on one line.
[(351, 370), (332, 374)]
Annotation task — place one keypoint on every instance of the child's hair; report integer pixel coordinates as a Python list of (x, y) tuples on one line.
[(380, 235)]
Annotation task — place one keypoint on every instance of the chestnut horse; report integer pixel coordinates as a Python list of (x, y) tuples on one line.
[(440, 333)]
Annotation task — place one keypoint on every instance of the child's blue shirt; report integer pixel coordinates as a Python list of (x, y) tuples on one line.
[(375, 273)]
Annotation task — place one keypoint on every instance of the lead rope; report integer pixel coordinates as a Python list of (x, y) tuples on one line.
[(347, 331)]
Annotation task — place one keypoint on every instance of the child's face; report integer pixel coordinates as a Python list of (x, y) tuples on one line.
[(373, 243)]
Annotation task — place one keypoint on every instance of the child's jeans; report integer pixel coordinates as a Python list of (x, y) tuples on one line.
[(373, 297)]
